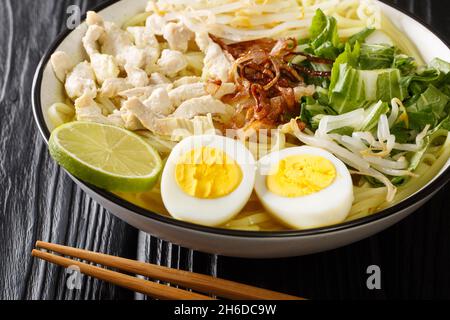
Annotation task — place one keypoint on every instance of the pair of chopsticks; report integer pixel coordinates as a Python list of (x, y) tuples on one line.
[(189, 280)]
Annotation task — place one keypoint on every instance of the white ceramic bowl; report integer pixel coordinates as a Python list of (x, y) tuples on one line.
[(48, 90)]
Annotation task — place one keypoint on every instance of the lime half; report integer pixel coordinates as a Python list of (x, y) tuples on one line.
[(106, 156)]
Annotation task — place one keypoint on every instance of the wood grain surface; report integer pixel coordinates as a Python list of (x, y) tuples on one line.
[(39, 201)]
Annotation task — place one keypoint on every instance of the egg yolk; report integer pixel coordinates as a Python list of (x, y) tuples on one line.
[(207, 173), (300, 175)]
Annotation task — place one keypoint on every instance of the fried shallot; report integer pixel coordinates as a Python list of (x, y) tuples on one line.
[(262, 72)]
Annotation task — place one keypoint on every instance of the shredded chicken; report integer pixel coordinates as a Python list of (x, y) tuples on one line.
[(92, 18), (143, 113), (81, 81), (302, 91), (136, 115), (117, 42), (158, 78), (186, 80), (136, 77), (143, 92), (178, 128), (104, 66), (62, 65), (91, 38), (135, 50), (262, 73), (221, 90), (145, 40)]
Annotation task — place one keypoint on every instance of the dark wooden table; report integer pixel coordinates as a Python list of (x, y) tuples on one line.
[(38, 201)]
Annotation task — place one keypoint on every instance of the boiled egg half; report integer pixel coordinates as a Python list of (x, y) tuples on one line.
[(304, 187), (207, 179)]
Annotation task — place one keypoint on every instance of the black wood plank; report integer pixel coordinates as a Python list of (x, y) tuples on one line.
[(37, 200)]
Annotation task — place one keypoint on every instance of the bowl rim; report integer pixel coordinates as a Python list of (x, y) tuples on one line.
[(425, 192)]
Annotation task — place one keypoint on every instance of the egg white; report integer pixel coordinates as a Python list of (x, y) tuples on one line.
[(326, 207), (208, 212)]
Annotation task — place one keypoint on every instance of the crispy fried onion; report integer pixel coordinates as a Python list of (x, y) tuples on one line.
[(263, 74)]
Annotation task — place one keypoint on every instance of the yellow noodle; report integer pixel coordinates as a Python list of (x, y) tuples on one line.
[(344, 22), (137, 20)]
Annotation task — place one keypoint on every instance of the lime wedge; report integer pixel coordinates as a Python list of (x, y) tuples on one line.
[(108, 157)]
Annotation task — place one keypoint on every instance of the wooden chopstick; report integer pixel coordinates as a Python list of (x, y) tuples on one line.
[(149, 288), (199, 282)]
